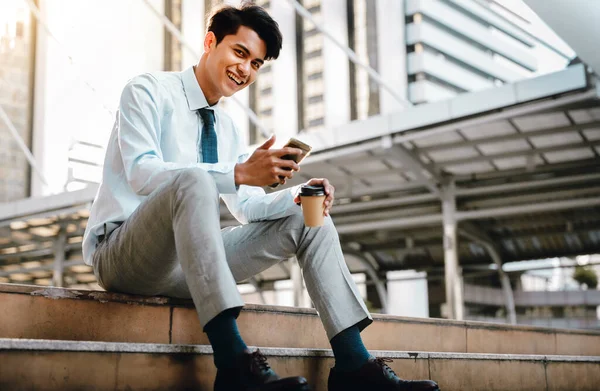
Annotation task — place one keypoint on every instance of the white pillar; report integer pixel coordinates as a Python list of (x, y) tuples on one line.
[(454, 292), (298, 286), (59, 257)]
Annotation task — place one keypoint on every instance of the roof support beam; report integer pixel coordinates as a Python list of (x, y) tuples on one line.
[(472, 233), (368, 260), (414, 164), (509, 137), (527, 185), (524, 152), (436, 219), (529, 208), (44, 268)]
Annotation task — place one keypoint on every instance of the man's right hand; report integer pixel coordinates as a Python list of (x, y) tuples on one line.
[(266, 166)]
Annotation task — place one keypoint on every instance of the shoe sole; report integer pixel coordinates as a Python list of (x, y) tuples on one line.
[(295, 384), (299, 387)]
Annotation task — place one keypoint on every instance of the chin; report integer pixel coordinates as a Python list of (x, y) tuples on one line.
[(227, 93)]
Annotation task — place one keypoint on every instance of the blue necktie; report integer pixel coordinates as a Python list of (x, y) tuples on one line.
[(208, 140)]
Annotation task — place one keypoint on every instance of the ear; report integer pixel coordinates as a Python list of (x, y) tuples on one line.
[(210, 41)]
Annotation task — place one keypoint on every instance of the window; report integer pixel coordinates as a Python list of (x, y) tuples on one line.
[(316, 122)]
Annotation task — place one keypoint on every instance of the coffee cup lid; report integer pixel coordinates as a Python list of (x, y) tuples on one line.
[(312, 190)]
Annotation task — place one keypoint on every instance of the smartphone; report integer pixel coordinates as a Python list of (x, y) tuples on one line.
[(294, 143)]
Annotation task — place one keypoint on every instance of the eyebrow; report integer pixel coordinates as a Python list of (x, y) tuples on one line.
[(245, 49)]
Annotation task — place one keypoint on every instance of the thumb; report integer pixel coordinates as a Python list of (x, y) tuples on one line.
[(269, 143)]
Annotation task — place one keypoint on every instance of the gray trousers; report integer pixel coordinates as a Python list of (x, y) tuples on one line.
[(172, 245)]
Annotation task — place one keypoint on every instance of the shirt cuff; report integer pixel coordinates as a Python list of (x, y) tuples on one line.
[(225, 179), (294, 192)]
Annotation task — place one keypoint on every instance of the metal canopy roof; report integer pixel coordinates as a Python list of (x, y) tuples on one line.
[(523, 160)]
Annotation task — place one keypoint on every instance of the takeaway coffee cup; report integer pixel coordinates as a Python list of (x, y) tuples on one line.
[(312, 198)]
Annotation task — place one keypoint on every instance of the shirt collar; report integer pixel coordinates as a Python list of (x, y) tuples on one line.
[(193, 93)]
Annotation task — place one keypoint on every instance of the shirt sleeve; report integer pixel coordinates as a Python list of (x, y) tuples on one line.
[(139, 133)]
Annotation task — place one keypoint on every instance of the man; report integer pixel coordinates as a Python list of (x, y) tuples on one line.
[(154, 226)]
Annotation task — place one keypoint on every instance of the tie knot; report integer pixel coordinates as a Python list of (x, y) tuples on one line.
[(208, 116)]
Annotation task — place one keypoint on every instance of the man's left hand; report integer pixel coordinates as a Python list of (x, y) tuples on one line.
[(329, 190)]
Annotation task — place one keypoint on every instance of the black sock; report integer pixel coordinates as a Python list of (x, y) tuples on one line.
[(349, 351), (225, 338)]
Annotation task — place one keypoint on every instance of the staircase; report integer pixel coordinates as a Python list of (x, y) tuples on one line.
[(63, 339)]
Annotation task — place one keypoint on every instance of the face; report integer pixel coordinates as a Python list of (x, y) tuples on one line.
[(233, 64)]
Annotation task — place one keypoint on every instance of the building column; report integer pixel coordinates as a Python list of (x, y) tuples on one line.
[(297, 283), (60, 244), (454, 291)]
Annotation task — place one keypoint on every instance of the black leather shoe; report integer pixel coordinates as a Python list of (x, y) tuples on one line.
[(253, 373), (375, 375)]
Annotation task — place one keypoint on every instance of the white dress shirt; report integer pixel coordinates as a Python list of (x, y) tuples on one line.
[(156, 134)]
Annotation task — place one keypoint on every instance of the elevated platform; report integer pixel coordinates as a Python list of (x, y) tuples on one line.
[(70, 340), (67, 365), (68, 314)]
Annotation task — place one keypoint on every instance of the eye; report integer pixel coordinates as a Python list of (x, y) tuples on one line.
[(239, 52), (256, 65)]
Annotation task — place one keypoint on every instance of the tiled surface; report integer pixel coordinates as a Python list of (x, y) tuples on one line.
[(258, 328), (43, 371), (60, 370), (101, 316), (283, 330), (133, 371), (483, 340), (186, 328), (573, 376), (25, 316), (397, 335), (140, 371), (578, 345), (488, 375)]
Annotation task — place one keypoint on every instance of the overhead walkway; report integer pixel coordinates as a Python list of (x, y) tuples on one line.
[(511, 173)]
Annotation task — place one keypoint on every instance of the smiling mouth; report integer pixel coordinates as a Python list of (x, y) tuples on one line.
[(235, 79)]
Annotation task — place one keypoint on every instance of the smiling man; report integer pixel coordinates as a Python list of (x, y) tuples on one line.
[(154, 226)]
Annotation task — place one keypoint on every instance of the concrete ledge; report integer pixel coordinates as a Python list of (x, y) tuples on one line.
[(10, 344), (67, 314), (69, 365), (105, 297)]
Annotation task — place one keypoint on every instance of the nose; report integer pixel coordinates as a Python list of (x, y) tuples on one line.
[(244, 68)]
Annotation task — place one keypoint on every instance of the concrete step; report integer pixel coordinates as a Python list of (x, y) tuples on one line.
[(66, 314), (75, 365)]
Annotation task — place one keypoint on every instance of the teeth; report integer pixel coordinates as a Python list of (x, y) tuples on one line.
[(235, 79)]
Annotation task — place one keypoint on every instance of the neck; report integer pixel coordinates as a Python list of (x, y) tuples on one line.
[(203, 79)]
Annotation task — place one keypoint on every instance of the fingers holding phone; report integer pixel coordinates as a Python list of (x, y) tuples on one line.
[(295, 150), (269, 166)]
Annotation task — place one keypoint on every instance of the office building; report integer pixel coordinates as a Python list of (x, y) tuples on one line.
[(16, 86)]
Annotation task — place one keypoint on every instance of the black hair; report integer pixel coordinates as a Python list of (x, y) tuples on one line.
[(227, 21)]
